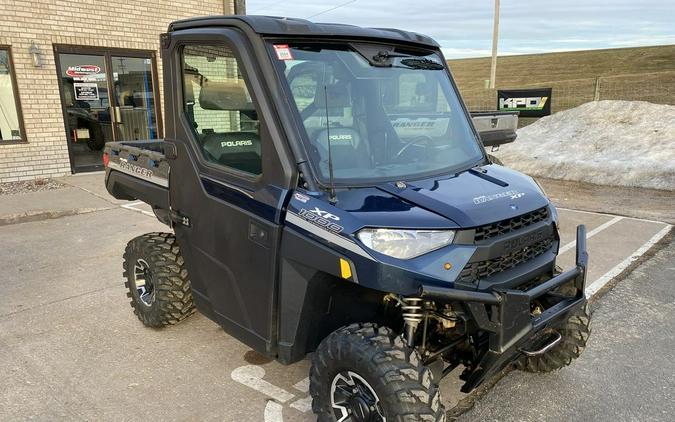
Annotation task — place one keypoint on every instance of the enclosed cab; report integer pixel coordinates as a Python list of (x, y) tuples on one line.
[(329, 193)]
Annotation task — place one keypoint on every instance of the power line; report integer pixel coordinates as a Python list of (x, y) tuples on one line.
[(331, 9)]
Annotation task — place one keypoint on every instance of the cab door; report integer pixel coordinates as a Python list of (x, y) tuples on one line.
[(230, 176)]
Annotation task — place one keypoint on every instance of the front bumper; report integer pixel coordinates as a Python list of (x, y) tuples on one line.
[(506, 314)]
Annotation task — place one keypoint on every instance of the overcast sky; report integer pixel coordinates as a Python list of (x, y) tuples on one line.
[(464, 27)]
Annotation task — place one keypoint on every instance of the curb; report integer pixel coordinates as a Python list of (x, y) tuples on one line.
[(30, 217)]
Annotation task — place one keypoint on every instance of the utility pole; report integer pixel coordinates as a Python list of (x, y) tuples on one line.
[(495, 40), (239, 7)]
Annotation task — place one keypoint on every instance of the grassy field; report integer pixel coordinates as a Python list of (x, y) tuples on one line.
[(531, 69), (577, 77)]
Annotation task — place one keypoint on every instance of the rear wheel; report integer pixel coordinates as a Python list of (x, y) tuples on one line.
[(157, 280), (575, 332), (363, 372)]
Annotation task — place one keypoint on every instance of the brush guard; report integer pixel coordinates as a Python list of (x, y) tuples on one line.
[(506, 315)]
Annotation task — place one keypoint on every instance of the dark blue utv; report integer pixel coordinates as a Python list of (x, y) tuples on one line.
[(329, 193)]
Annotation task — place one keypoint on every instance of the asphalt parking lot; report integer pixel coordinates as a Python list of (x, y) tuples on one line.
[(71, 349)]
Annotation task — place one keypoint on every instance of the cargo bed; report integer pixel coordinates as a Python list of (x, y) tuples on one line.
[(496, 127), (138, 170)]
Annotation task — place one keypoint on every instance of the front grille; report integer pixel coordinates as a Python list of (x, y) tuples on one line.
[(511, 224), (475, 271)]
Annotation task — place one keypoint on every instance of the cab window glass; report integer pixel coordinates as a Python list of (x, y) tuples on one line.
[(320, 92), (375, 122), (220, 109), (304, 89)]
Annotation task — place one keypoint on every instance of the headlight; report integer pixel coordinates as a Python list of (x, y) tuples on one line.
[(404, 244)]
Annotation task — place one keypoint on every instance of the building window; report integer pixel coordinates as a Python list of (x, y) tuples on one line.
[(11, 128)]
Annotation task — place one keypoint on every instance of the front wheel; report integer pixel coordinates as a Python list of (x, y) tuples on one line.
[(363, 372)]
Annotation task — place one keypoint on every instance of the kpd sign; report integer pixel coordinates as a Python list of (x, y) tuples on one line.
[(529, 102)]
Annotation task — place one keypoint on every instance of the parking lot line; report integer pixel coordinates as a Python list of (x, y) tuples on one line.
[(302, 385), (609, 215), (598, 284), (590, 234), (132, 207), (252, 376), (273, 412), (303, 405)]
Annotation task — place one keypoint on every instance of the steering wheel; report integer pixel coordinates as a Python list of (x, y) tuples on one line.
[(416, 140)]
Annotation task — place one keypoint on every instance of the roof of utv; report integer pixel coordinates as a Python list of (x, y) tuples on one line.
[(271, 25)]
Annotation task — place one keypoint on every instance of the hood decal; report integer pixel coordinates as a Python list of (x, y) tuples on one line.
[(513, 194)]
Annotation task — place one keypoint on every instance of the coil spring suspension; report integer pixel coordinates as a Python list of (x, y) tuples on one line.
[(411, 308)]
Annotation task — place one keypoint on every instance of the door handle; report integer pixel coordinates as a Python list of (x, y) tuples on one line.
[(258, 233), (170, 151)]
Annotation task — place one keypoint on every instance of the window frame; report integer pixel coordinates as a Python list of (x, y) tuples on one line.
[(17, 99), (210, 169)]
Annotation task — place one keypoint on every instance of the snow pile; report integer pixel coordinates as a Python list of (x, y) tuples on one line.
[(624, 143)]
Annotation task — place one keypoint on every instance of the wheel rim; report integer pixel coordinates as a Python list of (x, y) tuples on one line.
[(354, 400), (143, 282)]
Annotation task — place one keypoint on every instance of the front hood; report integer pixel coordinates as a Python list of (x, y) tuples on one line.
[(469, 199)]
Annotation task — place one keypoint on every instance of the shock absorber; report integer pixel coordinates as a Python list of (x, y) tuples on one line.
[(411, 308)]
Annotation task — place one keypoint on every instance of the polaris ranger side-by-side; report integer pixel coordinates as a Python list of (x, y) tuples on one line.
[(329, 193)]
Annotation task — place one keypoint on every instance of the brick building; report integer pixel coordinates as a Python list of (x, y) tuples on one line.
[(74, 75)]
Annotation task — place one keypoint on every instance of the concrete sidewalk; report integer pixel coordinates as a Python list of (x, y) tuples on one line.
[(81, 194)]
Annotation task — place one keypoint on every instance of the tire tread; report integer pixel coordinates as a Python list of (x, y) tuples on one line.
[(575, 334), (173, 293), (410, 393)]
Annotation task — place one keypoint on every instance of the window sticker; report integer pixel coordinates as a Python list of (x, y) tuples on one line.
[(283, 52), (85, 91)]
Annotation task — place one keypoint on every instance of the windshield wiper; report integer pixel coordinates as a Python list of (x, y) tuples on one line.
[(425, 64), (382, 58)]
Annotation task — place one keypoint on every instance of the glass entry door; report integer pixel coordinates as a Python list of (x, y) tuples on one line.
[(134, 98), (107, 95), (86, 106)]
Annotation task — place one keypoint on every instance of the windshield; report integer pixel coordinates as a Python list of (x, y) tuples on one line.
[(381, 114)]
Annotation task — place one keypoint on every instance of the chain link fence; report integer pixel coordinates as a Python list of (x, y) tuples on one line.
[(656, 88)]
